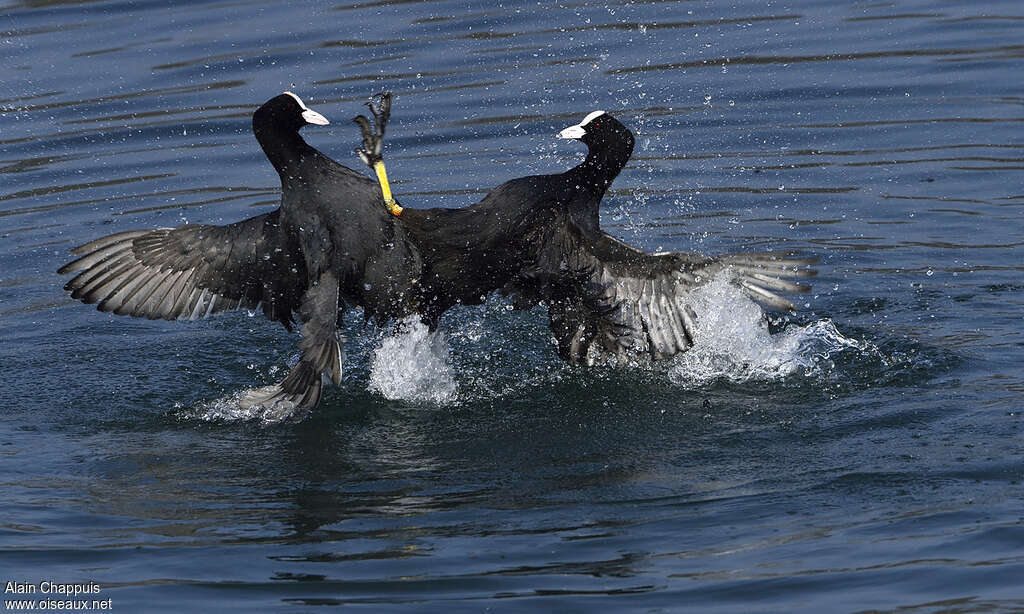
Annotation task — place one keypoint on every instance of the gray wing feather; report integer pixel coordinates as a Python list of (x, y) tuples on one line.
[(634, 303), (191, 271)]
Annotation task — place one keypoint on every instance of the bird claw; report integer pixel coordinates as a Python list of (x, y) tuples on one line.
[(373, 134)]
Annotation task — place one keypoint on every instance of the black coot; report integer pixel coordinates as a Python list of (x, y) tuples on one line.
[(329, 245), (627, 302)]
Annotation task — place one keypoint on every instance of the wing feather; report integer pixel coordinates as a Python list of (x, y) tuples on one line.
[(191, 271), (650, 310)]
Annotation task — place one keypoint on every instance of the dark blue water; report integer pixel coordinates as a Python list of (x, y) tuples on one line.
[(864, 454)]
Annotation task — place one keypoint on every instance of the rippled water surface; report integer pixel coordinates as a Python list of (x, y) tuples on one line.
[(864, 454)]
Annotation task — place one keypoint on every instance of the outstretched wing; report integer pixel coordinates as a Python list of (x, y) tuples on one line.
[(606, 294), (191, 271)]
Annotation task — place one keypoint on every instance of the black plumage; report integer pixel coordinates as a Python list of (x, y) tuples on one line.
[(329, 245), (645, 298), (333, 243), (621, 301), (539, 240), (500, 242)]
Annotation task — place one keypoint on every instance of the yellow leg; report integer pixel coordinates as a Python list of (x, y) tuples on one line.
[(385, 188)]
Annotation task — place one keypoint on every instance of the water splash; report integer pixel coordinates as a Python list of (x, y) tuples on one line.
[(497, 353), (733, 342), (413, 365)]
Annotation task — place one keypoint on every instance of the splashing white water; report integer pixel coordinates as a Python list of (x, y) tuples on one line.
[(733, 343), (412, 365)]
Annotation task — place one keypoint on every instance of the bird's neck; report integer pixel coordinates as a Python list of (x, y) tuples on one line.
[(601, 167), (285, 150), (590, 180)]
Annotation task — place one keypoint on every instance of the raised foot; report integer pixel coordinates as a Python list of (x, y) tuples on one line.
[(373, 135), (373, 144)]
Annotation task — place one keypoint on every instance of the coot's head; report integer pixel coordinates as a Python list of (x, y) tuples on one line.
[(601, 132), (286, 112)]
